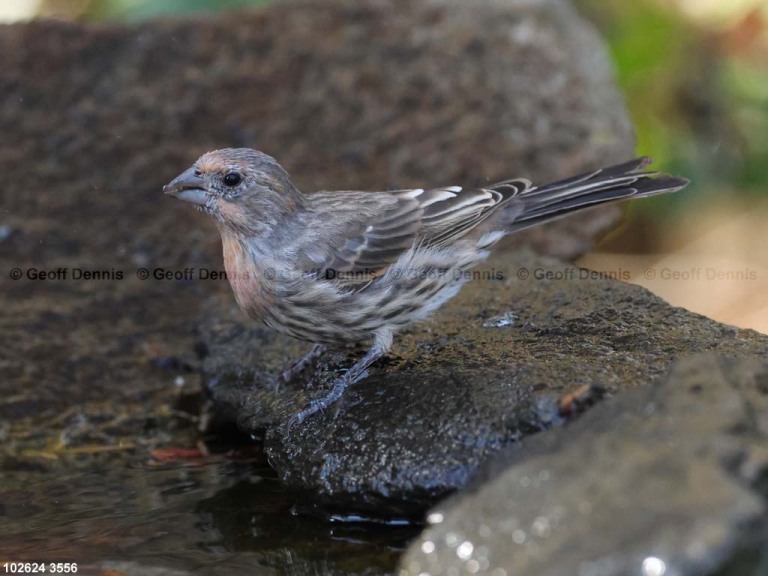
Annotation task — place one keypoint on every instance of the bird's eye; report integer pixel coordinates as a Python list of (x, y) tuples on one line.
[(232, 179)]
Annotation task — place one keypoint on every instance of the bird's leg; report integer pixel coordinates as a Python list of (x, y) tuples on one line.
[(288, 374), (382, 342)]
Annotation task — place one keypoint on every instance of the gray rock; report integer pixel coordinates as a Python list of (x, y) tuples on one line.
[(460, 388), (345, 93), (668, 479)]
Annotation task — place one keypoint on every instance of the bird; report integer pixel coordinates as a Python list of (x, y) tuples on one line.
[(340, 267)]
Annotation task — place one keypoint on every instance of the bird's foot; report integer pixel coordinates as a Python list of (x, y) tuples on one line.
[(294, 369), (324, 402), (357, 372)]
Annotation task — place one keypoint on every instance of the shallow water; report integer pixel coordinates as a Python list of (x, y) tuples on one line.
[(181, 510)]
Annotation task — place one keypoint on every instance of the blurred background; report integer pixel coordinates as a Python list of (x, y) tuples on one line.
[(695, 78)]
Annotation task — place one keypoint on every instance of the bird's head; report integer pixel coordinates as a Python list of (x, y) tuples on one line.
[(244, 190)]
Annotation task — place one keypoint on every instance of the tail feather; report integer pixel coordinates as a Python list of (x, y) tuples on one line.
[(620, 182)]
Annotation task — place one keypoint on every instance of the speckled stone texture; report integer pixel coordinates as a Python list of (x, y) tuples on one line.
[(665, 479)]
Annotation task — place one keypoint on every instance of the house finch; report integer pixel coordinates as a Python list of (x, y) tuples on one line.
[(350, 266)]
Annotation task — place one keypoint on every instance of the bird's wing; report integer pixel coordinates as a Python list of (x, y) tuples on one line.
[(368, 231), (450, 213), (358, 234)]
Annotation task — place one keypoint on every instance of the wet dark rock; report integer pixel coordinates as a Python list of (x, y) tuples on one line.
[(665, 479), (456, 390)]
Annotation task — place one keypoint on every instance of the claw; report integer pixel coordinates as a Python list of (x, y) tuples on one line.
[(289, 373), (357, 372), (321, 403)]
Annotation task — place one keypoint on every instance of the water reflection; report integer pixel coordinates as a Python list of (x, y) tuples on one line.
[(211, 514)]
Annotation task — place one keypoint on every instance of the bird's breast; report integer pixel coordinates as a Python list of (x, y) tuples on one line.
[(249, 280)]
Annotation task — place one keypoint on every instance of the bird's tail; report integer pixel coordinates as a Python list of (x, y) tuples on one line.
[(620, 182)]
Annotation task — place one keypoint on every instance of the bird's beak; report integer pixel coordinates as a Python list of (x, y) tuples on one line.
[(189, 187)]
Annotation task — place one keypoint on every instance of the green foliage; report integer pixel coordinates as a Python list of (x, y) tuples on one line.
[(133, 10), (748, 101), (698, 109)]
